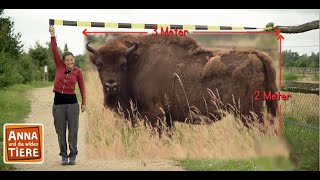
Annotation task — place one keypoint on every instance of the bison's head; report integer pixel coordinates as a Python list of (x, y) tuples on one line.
[(112, 64)]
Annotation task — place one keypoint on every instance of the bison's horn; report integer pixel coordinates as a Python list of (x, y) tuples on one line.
[(90, 49), (132, 49)]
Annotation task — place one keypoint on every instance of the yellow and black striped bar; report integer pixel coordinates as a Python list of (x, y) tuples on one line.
[(143, 26)]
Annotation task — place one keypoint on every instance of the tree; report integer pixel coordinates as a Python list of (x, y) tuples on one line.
[(314, 60), (65, 49), (28, 70), (80, 60), (302, 61), (289, 58), (9, 42), (10, 52), (39, 54), (9, 74)]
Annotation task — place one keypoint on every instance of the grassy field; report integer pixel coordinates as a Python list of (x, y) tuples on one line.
[(258, 164), (302, 110), (287, 75), (304, 147), (14, 108)]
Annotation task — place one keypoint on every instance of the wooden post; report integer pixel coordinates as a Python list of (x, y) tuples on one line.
[(45, 75)]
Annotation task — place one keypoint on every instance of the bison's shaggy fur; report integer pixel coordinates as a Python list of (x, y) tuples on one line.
[(166, 76), (214, 67)]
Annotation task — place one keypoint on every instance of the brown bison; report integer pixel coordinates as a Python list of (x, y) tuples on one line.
[(171, 77)]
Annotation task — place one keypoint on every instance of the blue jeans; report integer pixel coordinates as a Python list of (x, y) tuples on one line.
[(67, 116)]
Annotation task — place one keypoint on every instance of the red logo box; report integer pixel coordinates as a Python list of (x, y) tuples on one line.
[(23, 143)]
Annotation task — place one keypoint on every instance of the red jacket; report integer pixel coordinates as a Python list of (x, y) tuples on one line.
[(63, 83)]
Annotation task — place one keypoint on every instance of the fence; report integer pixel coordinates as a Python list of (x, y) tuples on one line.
[(302, 70), (300, 116), (300, 87)]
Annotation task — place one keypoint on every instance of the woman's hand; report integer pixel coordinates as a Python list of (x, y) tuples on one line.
[(83, 108), (51, 30)]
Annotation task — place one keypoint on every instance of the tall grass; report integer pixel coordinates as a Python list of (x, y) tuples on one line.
[(303, 108), (111, 137)]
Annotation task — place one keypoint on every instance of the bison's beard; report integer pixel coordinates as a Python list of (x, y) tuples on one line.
[(111, 101)]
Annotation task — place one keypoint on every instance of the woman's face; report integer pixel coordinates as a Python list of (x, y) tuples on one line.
[(69, 61)]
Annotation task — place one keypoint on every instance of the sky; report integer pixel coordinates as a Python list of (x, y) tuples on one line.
[(33, 23)]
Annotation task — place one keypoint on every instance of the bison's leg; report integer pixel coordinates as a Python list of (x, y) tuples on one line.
[(155, 122), (250, 116), (165, 102), (169, 122), (155, 117), (132, 117), (159, 120), (257, 110)]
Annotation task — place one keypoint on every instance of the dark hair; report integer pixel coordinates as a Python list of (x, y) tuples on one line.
[(66, 54)]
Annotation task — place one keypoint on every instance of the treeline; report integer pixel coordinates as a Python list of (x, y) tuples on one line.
[(17, 66), (293, 59)]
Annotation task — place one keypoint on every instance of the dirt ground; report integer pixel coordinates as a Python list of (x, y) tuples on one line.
[(41, 112)]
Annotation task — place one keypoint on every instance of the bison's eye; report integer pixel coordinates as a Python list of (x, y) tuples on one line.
[(124, 67), (99, 65)]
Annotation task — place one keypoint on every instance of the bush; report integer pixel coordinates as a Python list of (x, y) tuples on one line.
[(28, 70), (51, 71), (315, 78), (8, 71), (290, 76)]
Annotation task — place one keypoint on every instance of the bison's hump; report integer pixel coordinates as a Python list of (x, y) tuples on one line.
[(214, 67)]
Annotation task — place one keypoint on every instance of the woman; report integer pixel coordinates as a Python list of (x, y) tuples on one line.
[(66, 108)]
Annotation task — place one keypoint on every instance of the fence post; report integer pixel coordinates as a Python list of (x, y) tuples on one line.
[(45, 73)]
